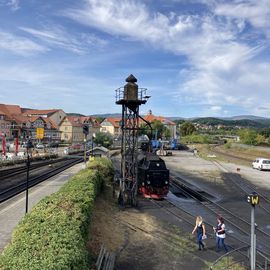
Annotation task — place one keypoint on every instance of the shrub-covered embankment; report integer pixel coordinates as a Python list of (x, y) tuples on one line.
[(54, 234)]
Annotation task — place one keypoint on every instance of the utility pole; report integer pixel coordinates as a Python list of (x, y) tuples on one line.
[(29, 145), (253, 199), (85, 132)]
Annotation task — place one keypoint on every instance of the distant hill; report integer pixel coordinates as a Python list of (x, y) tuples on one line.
[(106, 115), (242, 117), (249, 121), (75, 114), (260, 123)]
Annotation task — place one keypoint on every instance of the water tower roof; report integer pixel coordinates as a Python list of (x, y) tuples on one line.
[(131, 79)]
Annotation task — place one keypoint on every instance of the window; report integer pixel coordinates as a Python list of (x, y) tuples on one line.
[(266, 162)]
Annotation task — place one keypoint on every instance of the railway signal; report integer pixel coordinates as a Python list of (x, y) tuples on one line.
[(254, 200), (85, 130)]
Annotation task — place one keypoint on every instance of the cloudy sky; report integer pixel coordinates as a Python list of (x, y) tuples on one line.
[(195, 57)]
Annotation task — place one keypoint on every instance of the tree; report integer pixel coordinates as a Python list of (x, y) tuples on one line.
[(187, 128), (167, 133), (248, 136), (265, 132), (104, 139), (260, 139), (158, 129), (145, 130), (99, 119)]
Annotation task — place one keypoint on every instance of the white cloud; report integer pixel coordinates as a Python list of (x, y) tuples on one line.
[(59, 37), (223, 65), (55, 86), (216, 108), (255, 12), (13, 4), (220, 47), (19, 45)]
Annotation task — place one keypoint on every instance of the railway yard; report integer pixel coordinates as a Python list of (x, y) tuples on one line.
[(157, 233), (158, 230)]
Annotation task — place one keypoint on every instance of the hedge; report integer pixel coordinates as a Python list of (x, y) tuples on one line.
[(54, 234)]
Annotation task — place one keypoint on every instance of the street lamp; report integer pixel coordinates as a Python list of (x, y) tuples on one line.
[(29, 145)]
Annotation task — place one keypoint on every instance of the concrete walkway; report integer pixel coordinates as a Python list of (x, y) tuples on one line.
[(13, 210)]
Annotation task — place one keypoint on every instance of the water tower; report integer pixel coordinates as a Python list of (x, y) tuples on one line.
[(130, 97)]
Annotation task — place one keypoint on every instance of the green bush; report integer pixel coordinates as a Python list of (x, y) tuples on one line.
[(228, 145), (54, 234), (198, 138)]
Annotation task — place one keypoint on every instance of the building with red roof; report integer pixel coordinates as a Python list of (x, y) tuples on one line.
[(72, 128), (112, 125), (15, 123), (55, 115), (170, 125)]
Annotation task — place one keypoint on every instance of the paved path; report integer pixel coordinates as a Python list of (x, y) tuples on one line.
[(12, 211)]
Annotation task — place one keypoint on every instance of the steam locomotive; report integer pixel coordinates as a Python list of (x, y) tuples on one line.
[(153, 176)]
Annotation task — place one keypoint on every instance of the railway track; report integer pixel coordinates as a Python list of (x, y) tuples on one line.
[(218, 152), (247, 188), (238, 225), (20, 184), (5, 173)]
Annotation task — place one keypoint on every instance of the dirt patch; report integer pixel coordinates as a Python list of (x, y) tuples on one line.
[(141, 240)]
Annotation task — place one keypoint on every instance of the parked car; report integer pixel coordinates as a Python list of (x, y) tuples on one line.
[(261, 164), (66, 151), (40, 146), (77, 146), (53, 144)]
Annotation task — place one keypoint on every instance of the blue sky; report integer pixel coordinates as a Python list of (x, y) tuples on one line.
[(196, 57)]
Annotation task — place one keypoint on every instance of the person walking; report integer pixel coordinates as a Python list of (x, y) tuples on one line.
[(199, 228), (220, 235)]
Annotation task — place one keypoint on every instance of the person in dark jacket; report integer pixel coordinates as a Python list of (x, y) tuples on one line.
[(220, 235), (200, 230)]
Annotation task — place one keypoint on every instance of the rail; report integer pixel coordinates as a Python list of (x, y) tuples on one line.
[(8, 193), (241, 259), (225, 261), (217, 209), (265, 261), (4, 173)]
